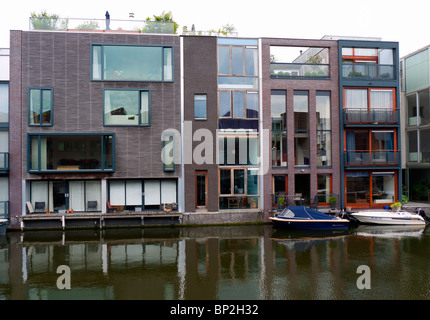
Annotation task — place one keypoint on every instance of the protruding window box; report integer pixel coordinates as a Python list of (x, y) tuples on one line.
[(90, 152)]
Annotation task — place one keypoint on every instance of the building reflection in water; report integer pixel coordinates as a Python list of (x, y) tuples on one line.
[(213, 263)]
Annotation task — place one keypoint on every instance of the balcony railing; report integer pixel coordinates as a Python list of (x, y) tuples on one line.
[(298, 70), (371, 116), (372, 158), (71, 24), (4, 162), (4, 209), (368, 71)]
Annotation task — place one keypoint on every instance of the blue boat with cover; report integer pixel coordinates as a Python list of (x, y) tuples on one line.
[(301, 217)]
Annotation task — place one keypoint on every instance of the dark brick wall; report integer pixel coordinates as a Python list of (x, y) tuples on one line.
[(62, 60), (200, 77), (312, 86)]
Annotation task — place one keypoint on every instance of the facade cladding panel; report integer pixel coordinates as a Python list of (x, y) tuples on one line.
[(200, 78)]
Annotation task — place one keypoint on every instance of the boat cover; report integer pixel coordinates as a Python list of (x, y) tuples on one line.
[(301, 212)]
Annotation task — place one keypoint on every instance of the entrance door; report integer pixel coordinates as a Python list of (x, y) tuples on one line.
[(60, 195), (201, 189)]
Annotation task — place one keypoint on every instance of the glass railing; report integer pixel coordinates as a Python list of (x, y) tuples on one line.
[(4, 161), (71, 24), (4, 209), (374, 158), (368, 71), (371, 116), (298, 70)]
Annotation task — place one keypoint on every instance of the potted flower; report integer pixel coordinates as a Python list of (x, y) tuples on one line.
[(333, 201), (396, 206)]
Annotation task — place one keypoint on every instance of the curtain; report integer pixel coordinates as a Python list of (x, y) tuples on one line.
[(39, 193), (93, 192), (117, 193), (356, 98), (77, 195), (152, 192), (133, 193), (168, 191), (381, 99)]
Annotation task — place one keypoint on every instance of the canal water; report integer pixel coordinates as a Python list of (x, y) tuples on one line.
[(216, 263)]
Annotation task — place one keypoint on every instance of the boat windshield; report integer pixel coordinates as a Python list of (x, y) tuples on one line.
[(287, 214)]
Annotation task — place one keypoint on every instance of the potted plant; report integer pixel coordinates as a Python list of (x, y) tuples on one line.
[(396, 206), (333, 201)]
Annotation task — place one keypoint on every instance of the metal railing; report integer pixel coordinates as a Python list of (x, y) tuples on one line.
[(372, 158), (4, 161), (371, 116), (281, 201), (299, 70), (72, 24), (368, 71)]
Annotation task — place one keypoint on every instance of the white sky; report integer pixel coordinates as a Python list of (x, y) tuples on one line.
[(406, 22)]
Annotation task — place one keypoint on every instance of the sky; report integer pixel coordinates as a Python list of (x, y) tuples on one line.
[(406, 22)]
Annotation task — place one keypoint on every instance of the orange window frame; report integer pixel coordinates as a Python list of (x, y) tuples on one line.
[(370, 204), (369, 90)]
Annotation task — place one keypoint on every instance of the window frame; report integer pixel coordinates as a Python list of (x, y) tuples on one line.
[(102, 66), (205, 106), (245, 94), (103, 157), (139, 90), (41, 124)]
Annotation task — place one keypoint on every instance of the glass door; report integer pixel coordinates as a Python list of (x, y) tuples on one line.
[(201, 189), (60, 194)]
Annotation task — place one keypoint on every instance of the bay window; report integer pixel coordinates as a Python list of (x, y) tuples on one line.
[(70, 152)]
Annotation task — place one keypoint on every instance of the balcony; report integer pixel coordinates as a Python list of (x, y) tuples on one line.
[(372, 158), (371, 116), (299, 70), (101, 25), (368, 71), (4, 162)]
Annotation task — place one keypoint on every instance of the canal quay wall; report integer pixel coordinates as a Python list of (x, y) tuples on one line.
[(86, 220)]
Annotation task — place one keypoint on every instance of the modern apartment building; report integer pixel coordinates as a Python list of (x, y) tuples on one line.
[(370, 123), (92, 114), (415, 86), (4, 133), (108, 119)]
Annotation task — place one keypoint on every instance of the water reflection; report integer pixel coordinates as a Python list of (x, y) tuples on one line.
[(246, 262)]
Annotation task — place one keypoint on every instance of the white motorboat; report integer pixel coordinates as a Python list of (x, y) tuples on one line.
[(384, 217)]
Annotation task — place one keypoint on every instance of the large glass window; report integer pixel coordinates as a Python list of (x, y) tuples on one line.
[(40, 106), (425, 145), (132, 62), (76, 195), (357, 188), (412, 145), (168, 155), (239, 188), (72, 152), (323, 128), (301, 128), (424, 106), (238, 150), (383, 187), (4, 102), (238, 104), (127, 107), (278, 105), (416, 71), (411, 110), (324, 187)]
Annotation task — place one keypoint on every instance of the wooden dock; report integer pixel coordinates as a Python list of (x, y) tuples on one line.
[(98, 220)]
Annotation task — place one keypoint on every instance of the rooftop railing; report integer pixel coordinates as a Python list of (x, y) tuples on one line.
[(106, 25), (299, 70)]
